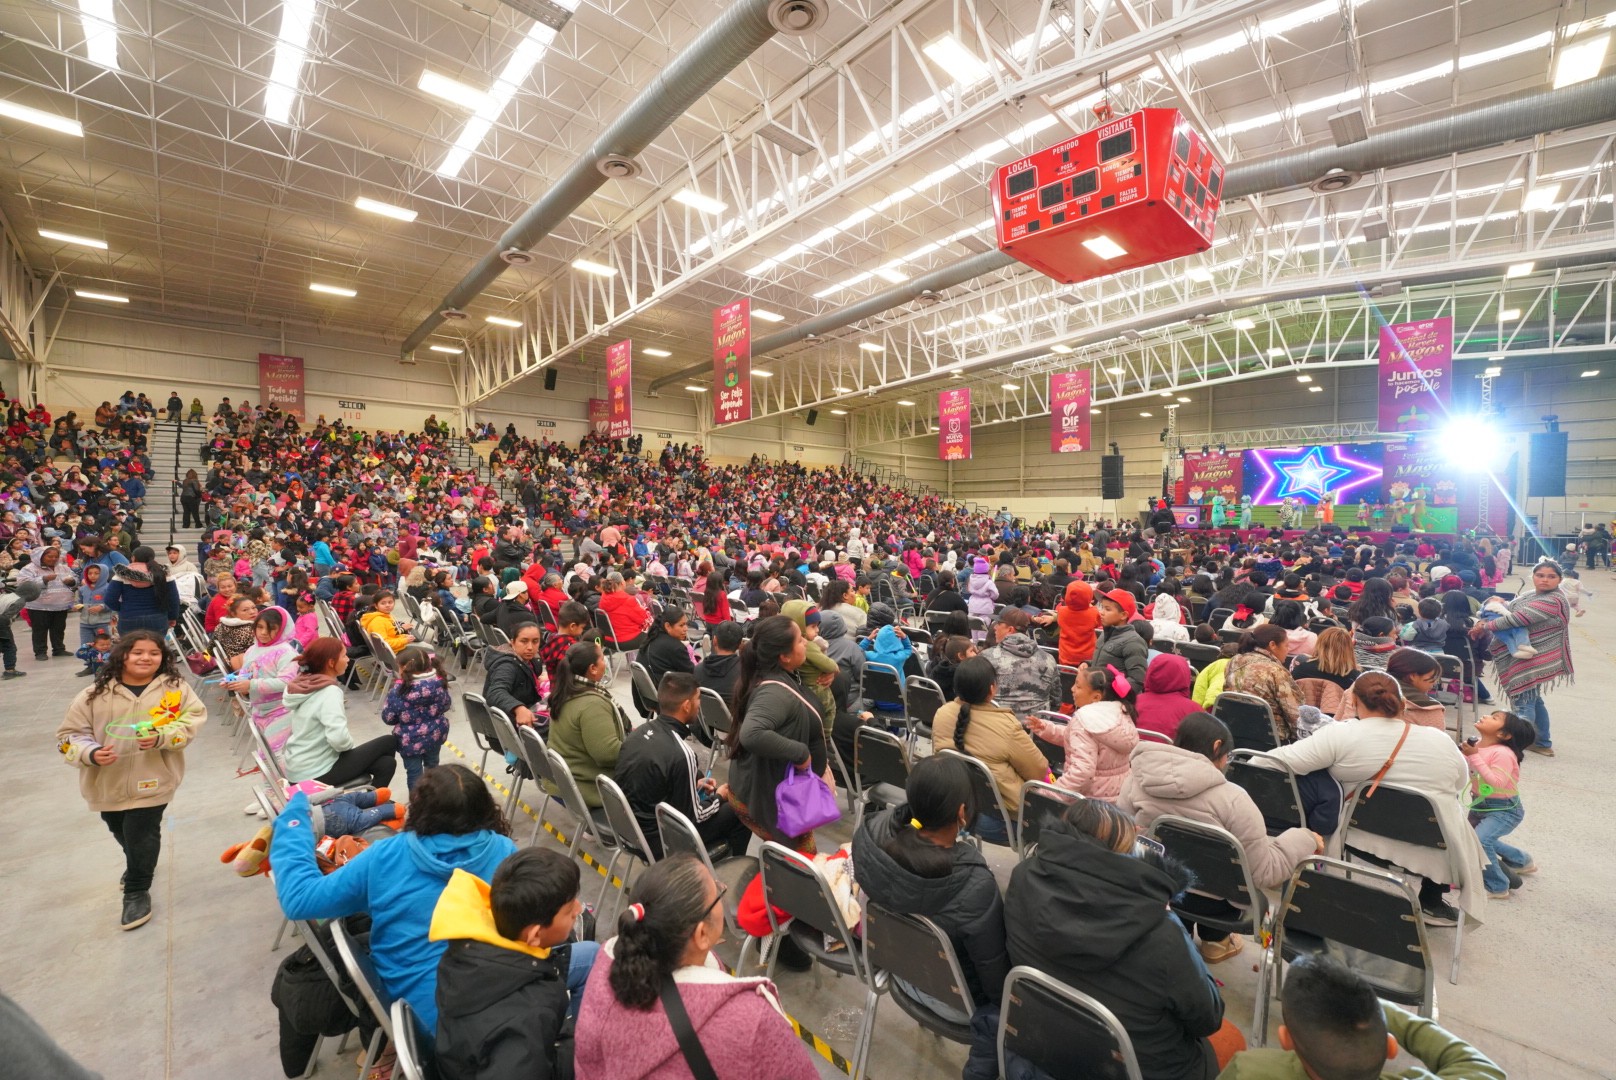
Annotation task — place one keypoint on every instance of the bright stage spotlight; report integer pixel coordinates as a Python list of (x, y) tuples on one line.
[(1472, 444)]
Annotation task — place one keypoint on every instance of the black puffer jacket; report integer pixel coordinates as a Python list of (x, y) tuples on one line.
[(965, 904), (501, 1015), (1099, 922), (511, 681)]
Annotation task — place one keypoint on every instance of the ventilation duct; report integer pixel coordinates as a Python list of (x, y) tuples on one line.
[(1491, 123), (735, 35)]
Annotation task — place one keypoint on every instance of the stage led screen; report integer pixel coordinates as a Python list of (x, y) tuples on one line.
[(1304, 473)]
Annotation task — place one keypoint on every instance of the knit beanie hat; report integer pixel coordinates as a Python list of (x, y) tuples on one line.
[(980, 566)]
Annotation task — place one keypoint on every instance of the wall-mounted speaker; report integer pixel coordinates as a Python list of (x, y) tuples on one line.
[(1547, 477), (549, 378), (813, 417), (1111, 476)]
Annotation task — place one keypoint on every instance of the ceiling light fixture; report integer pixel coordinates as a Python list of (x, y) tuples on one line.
[(1114, 371), (1316, 389), (1276, 351), (1200, 274), (906, 403), (449, 350), (1244, 324), (656, 352), (453, 91), (500, 320), (1062, 349), (1094, 411), (694, 389), (838, 412), (1590, 374), (598, 269), (100, 24), (111, 298), (1014, 388), (1492, 371), (697, 201), (870, 346), (993, 318), (1165, 394), (1184, 400), (1579, 63), (70, 238), (332, 290), (841, 389), (1519, 269), (1105, 247), (1542, 197), (767, 315), (518, 66), (784, 138), (291, 51), (1509, 314), (39, 118), (1144, 414), (891, 276), (760, 374), (961, 63), (1304, 378), (372, 206)]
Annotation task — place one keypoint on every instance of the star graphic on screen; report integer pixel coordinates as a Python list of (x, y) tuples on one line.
[(1309, 473)]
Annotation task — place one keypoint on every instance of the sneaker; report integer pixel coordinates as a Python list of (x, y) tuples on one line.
[(1529, 868), (41, 656), (1525, 652), (1438, 913), (83, 673), (252, 809), (136, 910), (792, 956), (1215, 952), (1498, 895), (1515, 881), (13, 673), (1546, 751)]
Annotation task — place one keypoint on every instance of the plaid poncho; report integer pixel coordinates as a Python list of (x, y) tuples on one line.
[(1547, 619)]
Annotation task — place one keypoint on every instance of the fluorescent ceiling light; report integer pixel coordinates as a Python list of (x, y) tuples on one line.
[(760, 374), (100, 23), (110, 298), (906, 403), (1542, 197), (41, 119), (888, 274), (1244, 324), (1276, 351), (372, 206), (1590, 374), (1094, 411), (841, 389), (1519, 269), (500, 320), (1105, 247), (523, 59), (1579, 63), (656, 352), (767, 315), (1062, 349), (449, 349), (291, 50), (1509, 314), (870, 346), (959, 62), (331, 290), (69, 238), (1184, 400), (697, 201), (1316, 389), (1144, 414), (598, 269), (1165, 394), (993, 318), (1495, 370), (1200, 274), (1014, 388), (784, 138), (694, 389), (451, 90), (1304, 378), (839, 412), (1114, 370)]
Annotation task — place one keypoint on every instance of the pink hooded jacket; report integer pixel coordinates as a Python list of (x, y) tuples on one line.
[(1099, 738), (738, 1021)]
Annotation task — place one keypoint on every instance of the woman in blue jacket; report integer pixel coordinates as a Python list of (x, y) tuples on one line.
[(453, 824), (142, 596)]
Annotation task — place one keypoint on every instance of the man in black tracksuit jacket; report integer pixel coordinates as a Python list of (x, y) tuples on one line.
[(657, 764)]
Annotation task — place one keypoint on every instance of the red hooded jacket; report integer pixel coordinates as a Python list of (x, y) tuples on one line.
[(1078, 622)]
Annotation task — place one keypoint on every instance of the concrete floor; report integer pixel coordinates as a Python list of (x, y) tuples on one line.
[(186, 997)]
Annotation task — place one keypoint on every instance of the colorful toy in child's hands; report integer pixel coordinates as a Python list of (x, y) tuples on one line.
[(251, 858)]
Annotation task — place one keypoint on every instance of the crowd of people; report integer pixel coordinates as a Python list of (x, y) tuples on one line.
[(1090, 657)]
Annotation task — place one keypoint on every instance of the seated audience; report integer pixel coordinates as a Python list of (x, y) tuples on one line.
[(1258, 669), (584, 728), (1166, 698), (975, 723), (718, 668), (320, 746), (1098, 738), (1028, 677)]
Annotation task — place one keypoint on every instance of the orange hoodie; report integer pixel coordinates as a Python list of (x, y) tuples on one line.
[(1078, 622)]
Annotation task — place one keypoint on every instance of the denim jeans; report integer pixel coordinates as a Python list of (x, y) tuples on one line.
[(992, 829), (415, 765), (1495, 819), (578, 967), (1529, 705), (945, 1009)]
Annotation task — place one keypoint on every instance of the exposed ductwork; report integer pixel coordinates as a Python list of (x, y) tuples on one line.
[(1491, 123), (735, 35)]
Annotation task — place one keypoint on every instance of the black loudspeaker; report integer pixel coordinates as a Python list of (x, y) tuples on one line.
[(813, 417), (1548, 474), (549, 378), (1111, 476)]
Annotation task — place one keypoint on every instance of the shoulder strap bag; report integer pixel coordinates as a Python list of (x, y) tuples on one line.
[(1374, 782), (689, 1043)]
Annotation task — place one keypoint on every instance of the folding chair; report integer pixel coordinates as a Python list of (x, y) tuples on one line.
[(881, 767), (482, 728), (356, 961), (795, 886), (388, 665), (1147, 735), (505, 735), (643, 684), (715, 718), (680, 836), (1453, 671), (625, 826), (1271, 783), (925, 698), (882, 682), (988, 800), (915, 954), (406, 1042), (1410, 817), (1250, 720), (592, 823), (608, 642), (545, 612), (1041, 803), (1063, 1032), (535, 754), (1199, 655), (1329, 902)]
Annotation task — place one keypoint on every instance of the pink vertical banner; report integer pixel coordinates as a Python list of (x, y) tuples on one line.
[(619, 384), (1068, 412), (954, 425), (732, 362), (280, 382), (1416, 374), (600, 415)]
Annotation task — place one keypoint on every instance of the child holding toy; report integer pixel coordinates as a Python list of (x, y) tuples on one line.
[(126, 733), (94, 653), (417, 708), (1494, 757), (266, 667)]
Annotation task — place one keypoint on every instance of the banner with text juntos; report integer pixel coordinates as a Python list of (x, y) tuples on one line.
[(1069, 412), (732, 362), (1416, 374)]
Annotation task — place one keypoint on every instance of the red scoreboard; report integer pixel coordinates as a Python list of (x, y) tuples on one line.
[(1141, 189)]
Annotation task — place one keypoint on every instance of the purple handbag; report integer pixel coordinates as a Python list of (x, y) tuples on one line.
[(803, 802)]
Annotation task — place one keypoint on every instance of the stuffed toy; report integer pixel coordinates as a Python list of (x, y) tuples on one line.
[(251, 858), (338, 821)]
